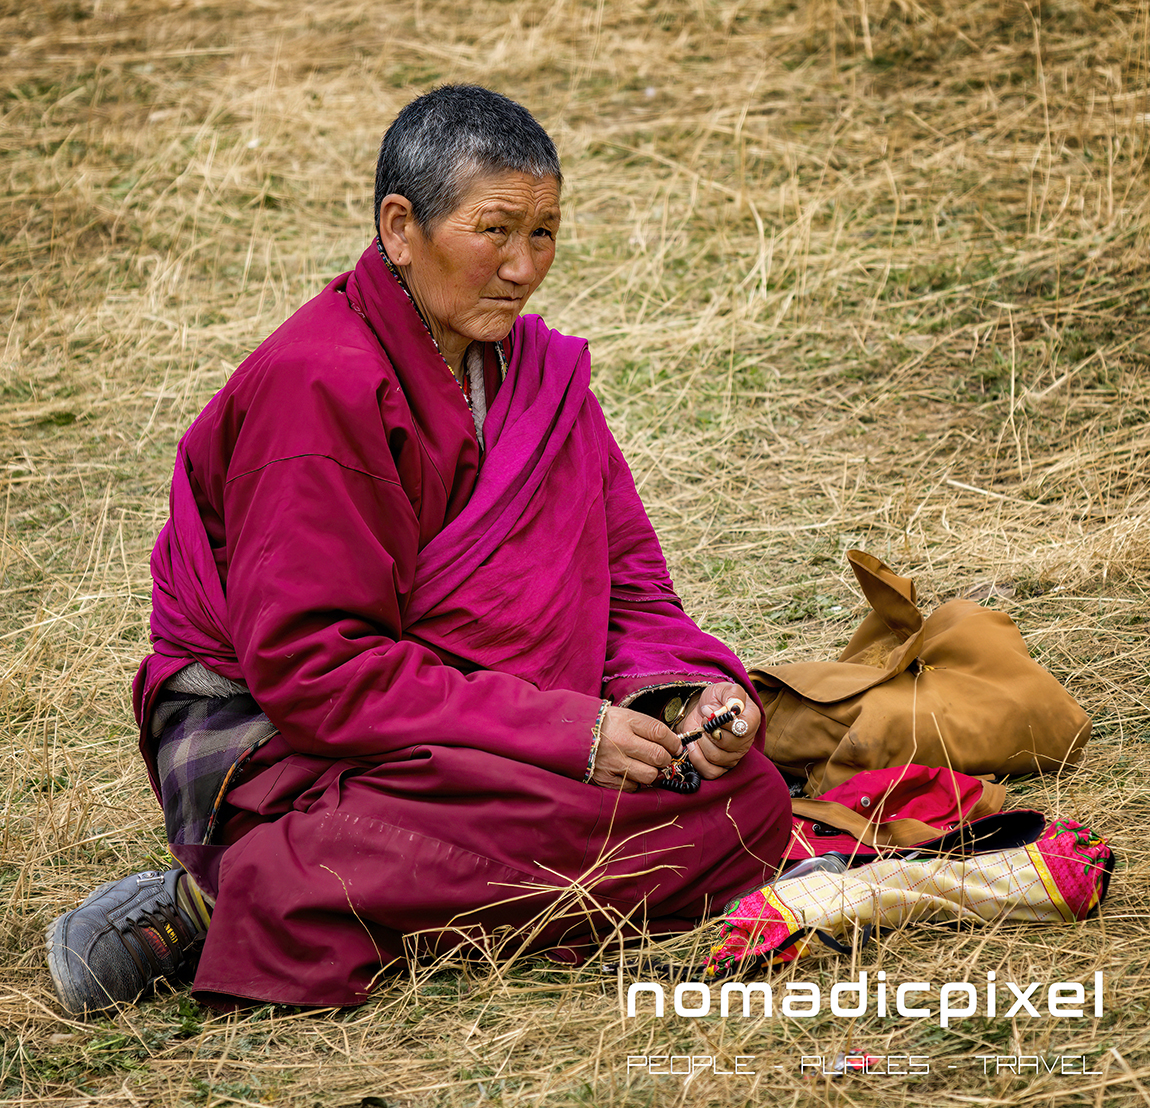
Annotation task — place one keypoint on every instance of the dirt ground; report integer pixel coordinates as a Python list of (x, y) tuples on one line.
[(855, 273)]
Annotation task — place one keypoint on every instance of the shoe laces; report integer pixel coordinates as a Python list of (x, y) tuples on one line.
[(164, 939)]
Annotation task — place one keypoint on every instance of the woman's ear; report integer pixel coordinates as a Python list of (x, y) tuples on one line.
[(396, 223)]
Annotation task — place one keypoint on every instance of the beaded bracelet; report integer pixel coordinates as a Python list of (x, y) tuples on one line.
[(595, 737)]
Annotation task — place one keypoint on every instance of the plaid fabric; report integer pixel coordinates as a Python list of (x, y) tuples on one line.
[(203, 743)]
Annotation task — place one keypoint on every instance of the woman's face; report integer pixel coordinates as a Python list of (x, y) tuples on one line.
[(475, 271)]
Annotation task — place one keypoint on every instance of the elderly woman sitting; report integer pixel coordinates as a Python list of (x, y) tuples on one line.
[(416, 655)]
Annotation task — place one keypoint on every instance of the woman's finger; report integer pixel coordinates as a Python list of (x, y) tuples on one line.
[(629, 776), (653, 731), (632, 750), (707, 751)]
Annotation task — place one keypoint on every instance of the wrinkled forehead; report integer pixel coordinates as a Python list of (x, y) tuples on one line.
[(511, 192)]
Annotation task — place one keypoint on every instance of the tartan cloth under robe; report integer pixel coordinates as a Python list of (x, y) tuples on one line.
[(205, 743)]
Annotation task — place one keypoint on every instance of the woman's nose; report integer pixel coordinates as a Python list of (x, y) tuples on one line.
[(518, 265)]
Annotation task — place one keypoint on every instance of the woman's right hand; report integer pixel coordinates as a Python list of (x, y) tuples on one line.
[(633, 748)]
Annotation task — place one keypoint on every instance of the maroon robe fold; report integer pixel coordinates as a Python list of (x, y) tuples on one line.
[(431, 633)]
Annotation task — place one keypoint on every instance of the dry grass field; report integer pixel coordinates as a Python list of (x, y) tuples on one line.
[(855, 273)]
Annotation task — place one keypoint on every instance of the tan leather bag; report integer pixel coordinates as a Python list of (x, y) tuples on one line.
[(956, 689)]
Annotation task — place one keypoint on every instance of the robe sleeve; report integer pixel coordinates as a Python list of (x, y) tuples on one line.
[(316, 618), (652, 644)]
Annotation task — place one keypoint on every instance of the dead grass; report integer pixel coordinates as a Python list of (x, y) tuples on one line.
[(856, 273)]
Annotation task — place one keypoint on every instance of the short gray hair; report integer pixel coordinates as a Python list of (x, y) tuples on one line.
[(444, 140)]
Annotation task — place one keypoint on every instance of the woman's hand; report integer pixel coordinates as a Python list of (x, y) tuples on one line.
[(633, 748), (712, 755)]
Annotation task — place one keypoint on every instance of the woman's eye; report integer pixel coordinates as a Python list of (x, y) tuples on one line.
[(544, 232), (497, 230)]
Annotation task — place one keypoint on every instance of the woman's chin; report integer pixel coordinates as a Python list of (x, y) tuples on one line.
[(497, 328)]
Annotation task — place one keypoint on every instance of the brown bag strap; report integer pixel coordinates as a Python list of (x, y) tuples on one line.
[(893, 832)]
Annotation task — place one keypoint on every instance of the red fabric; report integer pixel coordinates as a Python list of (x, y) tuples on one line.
[(453, 840), (1079, 862), (938, 796), (403, 613)]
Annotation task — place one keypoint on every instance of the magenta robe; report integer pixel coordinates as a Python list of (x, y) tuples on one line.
[(433, 638)]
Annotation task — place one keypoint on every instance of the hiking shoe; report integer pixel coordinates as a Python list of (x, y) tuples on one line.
[(123, 939)]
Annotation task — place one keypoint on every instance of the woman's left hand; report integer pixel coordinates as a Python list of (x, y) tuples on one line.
[(712, 755)]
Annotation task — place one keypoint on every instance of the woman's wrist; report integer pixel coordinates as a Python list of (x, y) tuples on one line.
[(596, 735)]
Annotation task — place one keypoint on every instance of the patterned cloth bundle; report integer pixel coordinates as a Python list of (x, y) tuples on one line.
[(1059, 878)]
